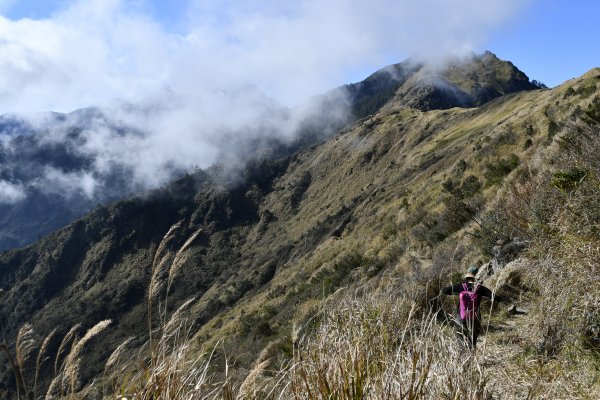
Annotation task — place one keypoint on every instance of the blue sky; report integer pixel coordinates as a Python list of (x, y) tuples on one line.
[(93, 51), (551, 40), (169, 12), (195, 69)]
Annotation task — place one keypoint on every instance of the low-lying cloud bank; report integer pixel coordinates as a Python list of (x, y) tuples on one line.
[(231, 73)]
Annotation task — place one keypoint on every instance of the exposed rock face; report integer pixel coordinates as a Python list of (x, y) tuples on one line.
[(505, 253), (433, 93)]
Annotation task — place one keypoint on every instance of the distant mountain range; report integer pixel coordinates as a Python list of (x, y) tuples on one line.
[(51, 178), (422, 154)]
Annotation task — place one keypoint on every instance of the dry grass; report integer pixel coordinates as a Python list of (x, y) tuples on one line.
[(159, 264), (169, 367), (71, 334), (176, 373), (558, 210), (41, 358), (552, 351), (384, 347), (179, 259), (387, 345), (66, 382), (392, 346)]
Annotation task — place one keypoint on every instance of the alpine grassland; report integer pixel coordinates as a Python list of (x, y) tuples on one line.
[(319, 276)]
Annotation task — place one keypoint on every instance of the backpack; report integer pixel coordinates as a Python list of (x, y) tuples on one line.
[(468, 302)]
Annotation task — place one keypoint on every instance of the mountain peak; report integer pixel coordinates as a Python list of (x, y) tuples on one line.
[(488, 54), (466, 82)]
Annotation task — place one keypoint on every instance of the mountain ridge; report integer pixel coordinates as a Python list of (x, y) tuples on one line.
[(52, 167), (291, 232)]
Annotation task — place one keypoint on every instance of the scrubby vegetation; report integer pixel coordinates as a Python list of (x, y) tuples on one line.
[(321, 278)]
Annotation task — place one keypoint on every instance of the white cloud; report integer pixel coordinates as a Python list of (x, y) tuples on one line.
[(98, 50), (302, 48), (87, 55), (11, 193), (67, 184), (196, 85)]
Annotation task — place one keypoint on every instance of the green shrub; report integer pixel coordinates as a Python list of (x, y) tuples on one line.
[(586, 91), (497, 170), (389, 229), (329, 279), (591, 329), (592, 114), (530, 131), (434, 229), (469, 187), (553, 129), (569, 92), (568, 180), (494, 227)]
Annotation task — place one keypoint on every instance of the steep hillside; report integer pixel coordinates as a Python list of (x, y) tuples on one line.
[(59, 168), (373, 204)]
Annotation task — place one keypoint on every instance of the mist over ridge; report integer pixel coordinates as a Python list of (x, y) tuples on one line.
[(63, 165), (273, 199), (231, 82), (374, 197), (232, 73)]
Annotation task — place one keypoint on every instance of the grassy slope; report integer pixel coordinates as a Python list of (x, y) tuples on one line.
[(365, 209), (371, 185)]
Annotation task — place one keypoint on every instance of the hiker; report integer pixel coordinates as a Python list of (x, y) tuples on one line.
[(470, 294)]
